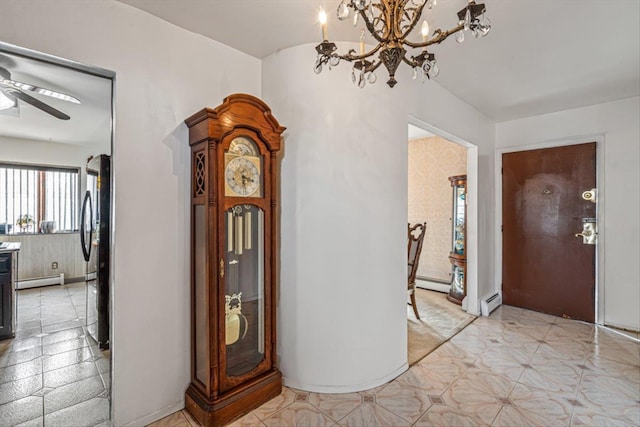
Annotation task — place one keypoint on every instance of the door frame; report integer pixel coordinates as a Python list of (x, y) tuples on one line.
[(472, 303), (599, 139), (109, 75)]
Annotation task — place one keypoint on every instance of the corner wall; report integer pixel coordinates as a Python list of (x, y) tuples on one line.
[(342, 298), (163, 75), (619, 123)]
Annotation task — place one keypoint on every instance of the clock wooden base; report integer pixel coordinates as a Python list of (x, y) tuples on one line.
[(234, 404)]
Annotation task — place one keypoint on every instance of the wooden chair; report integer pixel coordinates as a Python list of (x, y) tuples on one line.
[(415, 237)]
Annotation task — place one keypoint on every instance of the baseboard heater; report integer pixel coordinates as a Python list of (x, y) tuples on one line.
[(40, 281), (490, 303)]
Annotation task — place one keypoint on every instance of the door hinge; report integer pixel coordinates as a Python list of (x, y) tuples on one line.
[(502, 228)]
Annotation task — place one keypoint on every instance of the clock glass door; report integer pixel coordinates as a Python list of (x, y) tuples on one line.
[(244, 289)]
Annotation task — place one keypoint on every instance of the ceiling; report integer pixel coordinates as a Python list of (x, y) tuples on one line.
[(90, 122), (541, 56)]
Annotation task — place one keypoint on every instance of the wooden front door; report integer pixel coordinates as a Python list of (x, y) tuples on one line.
[(545, 267)]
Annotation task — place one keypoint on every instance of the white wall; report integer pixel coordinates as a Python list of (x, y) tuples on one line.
[(45, 152), (164, 74), (619, 123), (342, 305)]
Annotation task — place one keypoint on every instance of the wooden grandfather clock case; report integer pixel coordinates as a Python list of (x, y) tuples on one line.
[(233, 259)]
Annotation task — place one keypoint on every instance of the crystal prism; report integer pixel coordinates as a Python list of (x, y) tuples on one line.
[(343, 11), (460, 36), (434, 70), (467, 20), (362, 81)]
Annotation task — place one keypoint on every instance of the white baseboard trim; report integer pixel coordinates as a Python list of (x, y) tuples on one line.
[(155, 416), (40, 281), (432, 286), (319, 388)]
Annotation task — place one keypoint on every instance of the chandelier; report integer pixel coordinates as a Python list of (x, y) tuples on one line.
[(390, 22)]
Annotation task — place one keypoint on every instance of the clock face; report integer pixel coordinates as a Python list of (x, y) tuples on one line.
[(243, 146), (242, 173)]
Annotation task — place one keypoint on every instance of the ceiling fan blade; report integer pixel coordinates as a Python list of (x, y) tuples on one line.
[(37, 103), (42, 91)]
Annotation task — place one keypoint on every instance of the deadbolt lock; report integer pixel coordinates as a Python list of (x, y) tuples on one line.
[(590, 195)]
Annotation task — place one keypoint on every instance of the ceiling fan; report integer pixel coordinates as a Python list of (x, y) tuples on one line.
[(11, 90)]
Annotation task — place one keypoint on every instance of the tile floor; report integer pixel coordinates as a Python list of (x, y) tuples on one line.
[(53, 373), (439, 320), (514, 368)]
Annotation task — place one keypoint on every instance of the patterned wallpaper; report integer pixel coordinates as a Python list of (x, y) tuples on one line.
[(431, 162)]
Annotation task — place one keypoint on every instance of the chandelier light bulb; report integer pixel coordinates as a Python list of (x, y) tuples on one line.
[(322, 18), (424, 30)]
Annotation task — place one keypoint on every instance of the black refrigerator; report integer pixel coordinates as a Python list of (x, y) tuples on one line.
[(95, 242)]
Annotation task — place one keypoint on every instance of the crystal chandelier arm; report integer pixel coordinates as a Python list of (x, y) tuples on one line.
[(375, 65), (350, 56), (411, 62), (370, 23), (438, 37), (416, 17)]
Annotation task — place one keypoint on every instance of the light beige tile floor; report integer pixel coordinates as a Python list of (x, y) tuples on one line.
[(514, 368), (52, 373), (439, 320)]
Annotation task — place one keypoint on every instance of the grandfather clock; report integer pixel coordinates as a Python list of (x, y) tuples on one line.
[(233, 259)]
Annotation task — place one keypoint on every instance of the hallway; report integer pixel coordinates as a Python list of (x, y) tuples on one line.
[(514, 368)]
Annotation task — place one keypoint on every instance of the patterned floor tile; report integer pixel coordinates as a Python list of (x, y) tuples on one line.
[(249, 420), (444, 416), (539, 407), (299, 414), (373, 415), (177, 419), (335, 406), (286, 398), (407, 402)]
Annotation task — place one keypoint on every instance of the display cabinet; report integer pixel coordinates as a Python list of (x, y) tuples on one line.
[(458, 255), (233, 259)]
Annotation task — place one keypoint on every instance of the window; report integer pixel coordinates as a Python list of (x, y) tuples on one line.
[(30, 194)]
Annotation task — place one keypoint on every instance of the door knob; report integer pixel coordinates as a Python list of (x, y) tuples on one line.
[(589, 231)]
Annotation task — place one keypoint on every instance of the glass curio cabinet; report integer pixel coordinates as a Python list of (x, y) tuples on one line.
[(458, 255), (233, 259)]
